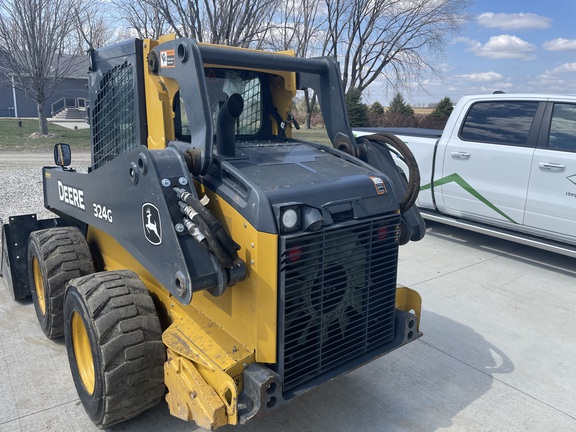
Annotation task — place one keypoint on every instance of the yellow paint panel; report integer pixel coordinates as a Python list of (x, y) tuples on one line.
[(248, 310), (409, 300), (160, 93), (190, 397), (205, 343)]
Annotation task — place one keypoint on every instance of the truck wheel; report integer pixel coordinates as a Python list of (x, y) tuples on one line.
[(55, 256), (114, 345)]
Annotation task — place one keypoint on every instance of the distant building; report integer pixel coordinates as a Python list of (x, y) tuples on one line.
[(71, 92)]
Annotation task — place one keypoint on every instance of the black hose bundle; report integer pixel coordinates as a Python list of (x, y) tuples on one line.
[(413, 186), (219, 242)]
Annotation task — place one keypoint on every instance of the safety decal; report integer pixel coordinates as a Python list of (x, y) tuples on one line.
[(379, 185), (151, 223), (167, 59), (211, 76)]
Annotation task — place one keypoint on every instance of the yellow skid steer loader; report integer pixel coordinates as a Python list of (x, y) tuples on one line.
[(208, 256)]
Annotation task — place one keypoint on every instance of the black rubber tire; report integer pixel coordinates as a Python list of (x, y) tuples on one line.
[(123, 336), (55, 256)]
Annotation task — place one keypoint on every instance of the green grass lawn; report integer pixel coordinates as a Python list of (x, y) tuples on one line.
[(14, 138), (316, 135)]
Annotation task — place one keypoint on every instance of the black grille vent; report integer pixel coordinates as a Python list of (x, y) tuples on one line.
[(339, 288)]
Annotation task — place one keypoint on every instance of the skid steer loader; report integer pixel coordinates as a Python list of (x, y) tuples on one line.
[(208, 256)]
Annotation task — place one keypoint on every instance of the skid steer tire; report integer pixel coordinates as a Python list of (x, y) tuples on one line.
[(55, 256), (114, 344)]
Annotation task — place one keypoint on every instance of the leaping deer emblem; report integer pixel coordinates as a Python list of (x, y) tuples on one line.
[(151, 226), (151, 222)]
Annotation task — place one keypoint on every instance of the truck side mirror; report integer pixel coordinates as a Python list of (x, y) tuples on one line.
[(62, 155)]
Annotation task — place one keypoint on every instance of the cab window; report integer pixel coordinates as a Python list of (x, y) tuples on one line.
[(563, 128), (499, 122), (221, 84)]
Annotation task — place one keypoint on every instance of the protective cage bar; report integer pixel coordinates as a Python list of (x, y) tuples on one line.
[(338, 289)]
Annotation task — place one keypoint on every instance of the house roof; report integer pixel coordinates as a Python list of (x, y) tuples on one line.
[(78, 64)]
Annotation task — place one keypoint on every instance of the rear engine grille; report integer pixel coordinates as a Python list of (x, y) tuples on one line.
[(338, 290)]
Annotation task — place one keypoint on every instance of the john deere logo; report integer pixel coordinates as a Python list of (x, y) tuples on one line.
[(151, 224), (572, 178)]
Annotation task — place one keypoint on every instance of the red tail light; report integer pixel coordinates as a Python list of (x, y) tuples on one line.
[(382, 233), (295, 254)]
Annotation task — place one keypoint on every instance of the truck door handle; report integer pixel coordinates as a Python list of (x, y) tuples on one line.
[(552, 166), (460, 155)]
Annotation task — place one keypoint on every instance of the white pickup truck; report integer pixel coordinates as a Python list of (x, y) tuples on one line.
[(504, 165)]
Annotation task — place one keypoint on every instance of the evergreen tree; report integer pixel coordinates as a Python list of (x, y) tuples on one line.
[(399, 106), (443, 109), (357, 111), (376, 108)]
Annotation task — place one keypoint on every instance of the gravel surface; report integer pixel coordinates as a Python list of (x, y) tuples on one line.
[(21, 182)]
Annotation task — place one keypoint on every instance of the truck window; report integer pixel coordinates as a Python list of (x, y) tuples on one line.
[(499, 122), (563, 127)]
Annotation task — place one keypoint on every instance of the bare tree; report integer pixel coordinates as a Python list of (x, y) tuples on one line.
[(146, 20), (92, 26), (33, 34), (397, 39), (243, 23), (300, 27)]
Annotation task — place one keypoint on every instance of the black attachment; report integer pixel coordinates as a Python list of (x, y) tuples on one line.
[(14, 262)]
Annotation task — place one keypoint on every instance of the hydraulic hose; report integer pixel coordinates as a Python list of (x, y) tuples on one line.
[(413, 185), (219, 242)]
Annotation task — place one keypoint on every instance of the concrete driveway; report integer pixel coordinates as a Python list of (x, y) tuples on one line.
[(497, 354)]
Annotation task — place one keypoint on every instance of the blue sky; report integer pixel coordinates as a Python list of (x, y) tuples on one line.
[(511, 45)]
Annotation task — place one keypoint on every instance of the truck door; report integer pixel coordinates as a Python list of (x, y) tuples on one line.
[(551, 203), (487, 162)]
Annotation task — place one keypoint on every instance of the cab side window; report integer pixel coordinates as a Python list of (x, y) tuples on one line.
[(563, 128), (499, 122)]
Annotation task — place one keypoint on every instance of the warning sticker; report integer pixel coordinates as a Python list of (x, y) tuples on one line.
[(379, 185), (167, 59), (211, 76)]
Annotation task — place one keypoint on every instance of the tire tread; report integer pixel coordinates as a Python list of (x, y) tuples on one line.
[(130, 340), (63, 255)]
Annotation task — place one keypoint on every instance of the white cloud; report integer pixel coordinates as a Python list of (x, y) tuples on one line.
[(503, 47), (560, 44), (556, 80), (514, 21), (482, 76), (565, 68)]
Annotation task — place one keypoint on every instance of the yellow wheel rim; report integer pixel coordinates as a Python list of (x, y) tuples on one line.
[(83, 353), (39, 285)]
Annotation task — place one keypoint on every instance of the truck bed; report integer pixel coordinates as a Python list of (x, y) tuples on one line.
[(408, 131)]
